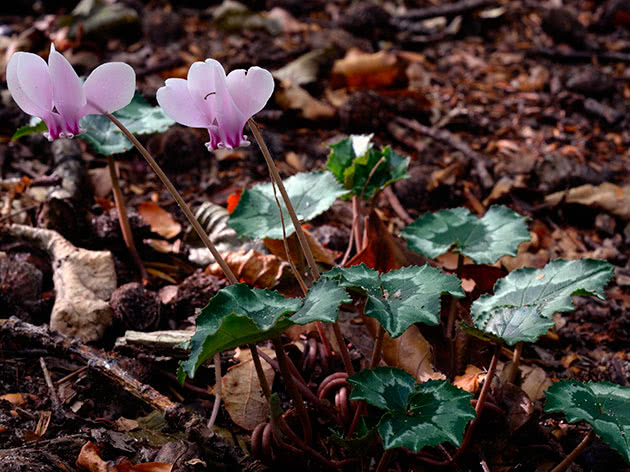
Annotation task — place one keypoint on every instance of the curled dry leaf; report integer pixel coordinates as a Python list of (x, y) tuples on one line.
[(253, 268), (410, 351), (607, 196), (367, 70), (243, 397), (293, 97), (471, 380), (161, 221), (320, 253), (90, 459)]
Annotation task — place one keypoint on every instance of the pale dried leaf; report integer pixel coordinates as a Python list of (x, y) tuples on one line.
[(242, 395), (606, 196), (83, 281), (535, 382)]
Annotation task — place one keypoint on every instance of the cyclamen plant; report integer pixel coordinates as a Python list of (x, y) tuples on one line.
[(412, 415)]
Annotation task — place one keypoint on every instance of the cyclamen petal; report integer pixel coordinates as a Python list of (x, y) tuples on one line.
[(176, 101), (38, 87), (250, 90), (68, 94), (221, 104), (109, 87), (29, 82)]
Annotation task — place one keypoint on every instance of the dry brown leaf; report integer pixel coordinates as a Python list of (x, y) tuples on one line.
[(606, 196), (294, 97), (253, 268), (243, 397), (90, 459), (15, 399), (366, 70), (412, 352), (471, 380), (161, 221), (535, 382), (320, 253)]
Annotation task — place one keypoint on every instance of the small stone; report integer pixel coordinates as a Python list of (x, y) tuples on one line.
[(605, 224)]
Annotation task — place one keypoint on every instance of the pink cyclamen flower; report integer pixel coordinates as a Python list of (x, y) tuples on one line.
[(54, 92), (222, 104)]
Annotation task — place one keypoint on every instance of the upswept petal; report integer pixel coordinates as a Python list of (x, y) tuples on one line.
[(68, 94), (250, 90), (229, 118), (176, 101), (29, 82), (109, 87), (202, 87)]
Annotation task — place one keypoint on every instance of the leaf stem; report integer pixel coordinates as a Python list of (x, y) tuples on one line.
[(217, 390), (385, 458), (516, 360), (378, 346), (123, 219), (452, 315), (285, 370), (264, 385), (564, 465)]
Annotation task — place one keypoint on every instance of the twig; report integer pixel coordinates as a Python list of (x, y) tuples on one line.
[(564, 465), (449, 9), (54, 399), (123, 219), (479, 161)]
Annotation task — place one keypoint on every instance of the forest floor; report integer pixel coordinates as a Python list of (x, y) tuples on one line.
[(512, 102)]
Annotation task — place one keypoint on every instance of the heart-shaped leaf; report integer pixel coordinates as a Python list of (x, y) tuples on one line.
[(417, 415), (523, 303), (603, 405), (257, 214), (401, 297), (366, 173), (239, 315), (484, 240)]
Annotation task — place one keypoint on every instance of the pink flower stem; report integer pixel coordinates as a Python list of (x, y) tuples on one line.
[(123, 219), (306, 249), (195, 224)]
